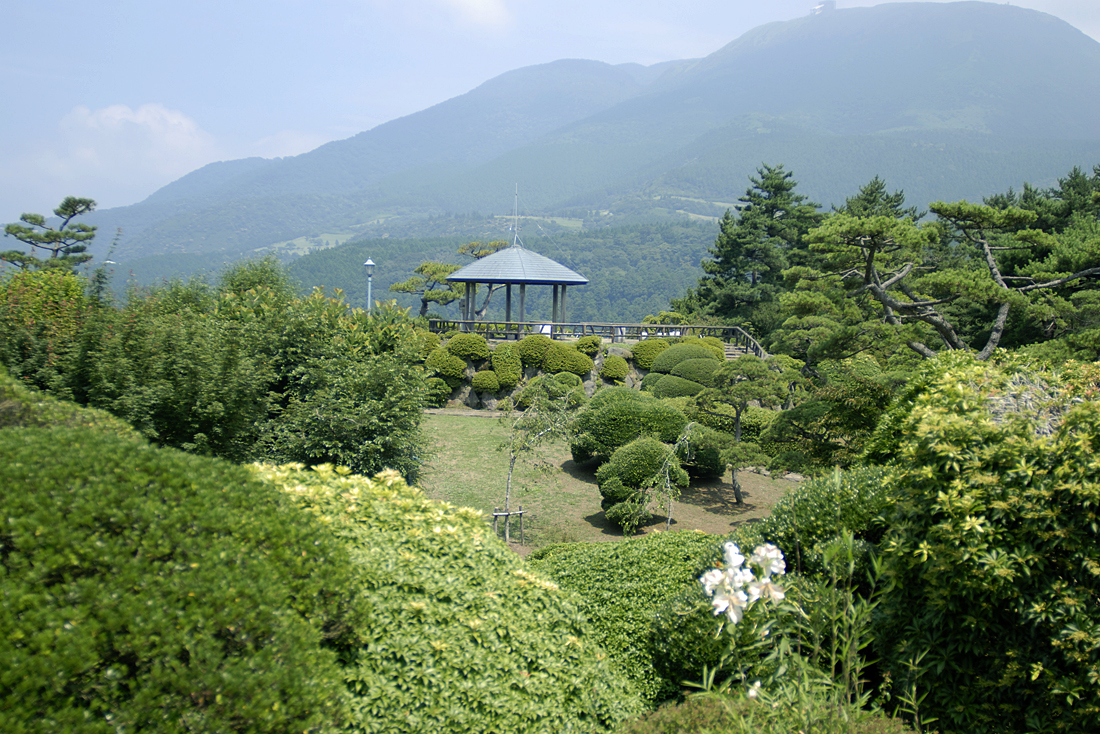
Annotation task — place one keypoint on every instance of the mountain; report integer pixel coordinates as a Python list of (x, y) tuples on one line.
[(944, 100)]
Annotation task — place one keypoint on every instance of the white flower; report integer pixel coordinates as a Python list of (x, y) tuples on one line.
[(766, 589), (732, 603), (733, 556), (754, 690), (769, 559), (740, 577), (712, 579)]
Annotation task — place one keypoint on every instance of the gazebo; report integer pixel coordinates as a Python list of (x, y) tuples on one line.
[(516, 265)]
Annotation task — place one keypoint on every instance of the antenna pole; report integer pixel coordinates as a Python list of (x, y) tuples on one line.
[(515, 220)]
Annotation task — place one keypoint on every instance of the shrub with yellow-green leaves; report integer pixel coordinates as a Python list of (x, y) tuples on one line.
[(532, 349), (441, 363), (589, 345), (992, 565), (508, 365), (485, 381), (458, 634), (565, 358), (614, 368), (470, 347), (645, 351)]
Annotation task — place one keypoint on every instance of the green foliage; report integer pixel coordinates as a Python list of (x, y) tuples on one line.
[(616, 416), (650, 380), (485, 381), (146, 589), (816, 511), (670, 386), (614, 368), (555, 387), (439, 392), (532, 349), (470, 347), (589, 345), (697, 370), (458, 635), (508, 365), (677, 353), (713, 343), (23, 407), (637, 462), (429, 342), (645, 351), (42, 313), (992, 557), (565, 358), (654, 568), (447, 366), (701, 455)]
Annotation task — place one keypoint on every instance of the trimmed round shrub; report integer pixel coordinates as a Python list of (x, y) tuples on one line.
[(508, 365), (614, 368), (429, 342), (470, 347), (459, 635), (147, 589), (439, 392), (589, 345), (556, 386), (616, 416), (645, 351), (485, 381), (650, 380), (568, 379), (703, 455), (564, 358), (640, 460), (447, 366), (678, 353), (654, 568), (697, 370), (713, 343), (532, 349), (670, 386)]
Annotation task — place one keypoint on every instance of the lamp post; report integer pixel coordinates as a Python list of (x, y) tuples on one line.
[(369, 265)]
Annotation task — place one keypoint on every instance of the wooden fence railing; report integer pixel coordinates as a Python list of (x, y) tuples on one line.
[(614, 333)]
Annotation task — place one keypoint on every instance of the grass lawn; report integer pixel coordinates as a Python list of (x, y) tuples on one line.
[(560, 497)]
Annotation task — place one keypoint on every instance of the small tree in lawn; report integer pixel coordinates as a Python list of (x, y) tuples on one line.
[(66, 244), (737, 384), (547, 417)]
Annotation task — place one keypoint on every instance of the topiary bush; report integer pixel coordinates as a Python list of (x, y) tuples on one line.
[(991, 564), (442, 363), (702, 457), (650, 380), (532, 349), (678, 353), (439, 392), (485, 381), (614, 368), (637, 462), (564, 358), (616, 416), (645, 351), (697, 370), (429, 342), (150, 590), (713, 343), (589, 345), (458, 634), (470, 347), (671, 386), (654, 568), (508, 365)]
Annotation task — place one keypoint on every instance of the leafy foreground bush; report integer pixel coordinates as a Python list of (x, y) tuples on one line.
[(992, 561), (457, 635), (622, 584), (145, 589)]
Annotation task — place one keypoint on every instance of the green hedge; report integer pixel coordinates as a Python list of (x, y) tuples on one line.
[(650, 380), (616, 416), (713, 343), (589, 345), (622, 584), (671, 386), (508, 365), (678, 353), (146, 589), (532, 349), (485, 381), (470, 347), (564, 358), (697, 370), (447, 366), (614, 368), (439, 392), (459, 635), (645, 351)]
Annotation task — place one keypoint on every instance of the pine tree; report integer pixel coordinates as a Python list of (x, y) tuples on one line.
[(66, 244)]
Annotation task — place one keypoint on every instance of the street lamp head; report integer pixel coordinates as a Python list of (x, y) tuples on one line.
[(369, 265)]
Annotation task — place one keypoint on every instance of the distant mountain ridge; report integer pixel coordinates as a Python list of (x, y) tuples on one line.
[(944, 100)]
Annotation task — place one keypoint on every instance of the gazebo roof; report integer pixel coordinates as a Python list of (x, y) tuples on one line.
[(517, 265)]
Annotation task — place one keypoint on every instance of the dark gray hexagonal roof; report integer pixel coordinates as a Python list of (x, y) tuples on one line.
[(517, 265)]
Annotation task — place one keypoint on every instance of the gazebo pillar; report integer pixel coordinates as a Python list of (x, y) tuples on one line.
[(522, 312), (563, 287), (507, 307), (554, 312)]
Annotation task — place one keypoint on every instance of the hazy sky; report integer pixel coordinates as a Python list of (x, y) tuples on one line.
[(111, 99)]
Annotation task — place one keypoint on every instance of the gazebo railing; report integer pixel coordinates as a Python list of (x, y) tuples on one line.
[(733, 335)]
